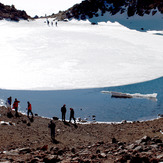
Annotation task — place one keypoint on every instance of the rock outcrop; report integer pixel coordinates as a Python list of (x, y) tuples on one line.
[(93, 8), (11, 13)]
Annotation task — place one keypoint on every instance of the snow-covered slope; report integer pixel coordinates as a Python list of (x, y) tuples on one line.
[(76, 55)]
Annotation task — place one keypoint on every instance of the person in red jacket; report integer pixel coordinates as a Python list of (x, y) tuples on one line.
[(15, 106), (29, 109)]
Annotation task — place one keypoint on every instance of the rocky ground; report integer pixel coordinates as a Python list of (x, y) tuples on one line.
[(24, 141)]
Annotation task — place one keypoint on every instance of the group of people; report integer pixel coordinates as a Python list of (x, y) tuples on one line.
[(15, 107), (63, 110), (48, 23), (52, 125)]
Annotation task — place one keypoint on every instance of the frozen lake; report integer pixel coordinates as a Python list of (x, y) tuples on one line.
[(72, 63)]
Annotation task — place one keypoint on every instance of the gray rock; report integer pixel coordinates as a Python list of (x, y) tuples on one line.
[(131, 146), (160, 156), (154, 146), (143, 139), (138, 148), (24, 150), (102, 155)]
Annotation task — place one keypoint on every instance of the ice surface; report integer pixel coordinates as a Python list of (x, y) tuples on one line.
[(76, 55), (152, 96)]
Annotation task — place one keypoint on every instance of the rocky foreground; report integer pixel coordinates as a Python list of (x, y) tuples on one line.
[(22, 140)]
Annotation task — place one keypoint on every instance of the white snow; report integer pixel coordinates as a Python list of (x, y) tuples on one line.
[(40, 7), (76, 55)]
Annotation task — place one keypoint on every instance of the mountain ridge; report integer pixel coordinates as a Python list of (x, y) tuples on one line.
[(93, 8), (11, 13)]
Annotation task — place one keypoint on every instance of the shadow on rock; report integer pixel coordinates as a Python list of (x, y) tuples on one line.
[(31, 119), (66, 123), (55, 141), (9, 115)]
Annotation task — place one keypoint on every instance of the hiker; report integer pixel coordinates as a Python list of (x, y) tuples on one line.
[(15, 106), (51, 23), (63, 110), (47, 22), (29, 109), (72, 115), (9, 102), (56, 24), (52, 128)]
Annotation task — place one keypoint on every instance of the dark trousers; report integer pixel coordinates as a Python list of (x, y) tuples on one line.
[(63, 116), (16, 112), (29, 111), (72, 117), (52, 133)]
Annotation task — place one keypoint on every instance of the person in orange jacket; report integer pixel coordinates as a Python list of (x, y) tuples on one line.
[(29, 109), (15, 106)]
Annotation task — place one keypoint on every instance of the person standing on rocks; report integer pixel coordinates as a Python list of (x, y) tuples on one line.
[(9, 102), (63, 110), (15, 106), (72, 115), (52, 129), (29, 109)]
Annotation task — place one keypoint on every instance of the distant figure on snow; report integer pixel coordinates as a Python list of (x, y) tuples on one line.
[(56, 24), (29, 109), (9, 102), (51, 23), (47, 22), (52, 129), (15, 106), (63, 110), (72, 115)]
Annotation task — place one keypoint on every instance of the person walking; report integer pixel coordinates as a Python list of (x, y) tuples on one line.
[(9, 102), (52, 23), (15, 106), (52, 129), (47, 22), (56, 24), (72, 115), (29, 109), (63, 110)]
